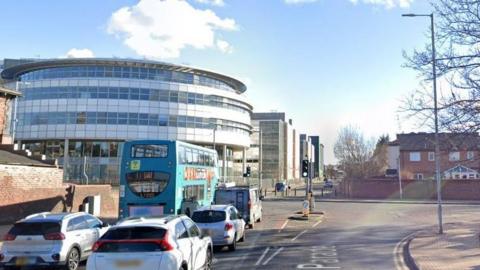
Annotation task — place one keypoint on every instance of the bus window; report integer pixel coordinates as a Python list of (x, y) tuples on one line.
[(194, 193), (195, 156), (188, 153), (149, 151), (201, 158), (147, 184), (182, 158)]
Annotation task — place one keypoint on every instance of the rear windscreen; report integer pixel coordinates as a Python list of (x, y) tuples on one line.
[(129, 247), (209, 216), (226, 196), (134, 233), (35, 228)]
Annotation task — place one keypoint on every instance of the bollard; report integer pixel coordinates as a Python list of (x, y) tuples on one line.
[(322, 192), (295, 192), (275, 191)]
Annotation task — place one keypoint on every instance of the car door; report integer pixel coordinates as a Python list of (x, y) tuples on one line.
[(184, 243), (234, 219), (95, 229), (78, 232), (199, 250), (239, 222)]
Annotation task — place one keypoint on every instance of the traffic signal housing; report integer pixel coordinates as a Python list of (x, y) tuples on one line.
[(248, 172), (305, 168)]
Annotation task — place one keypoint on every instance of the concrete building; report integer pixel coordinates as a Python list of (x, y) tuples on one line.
[(280, 148), (79, 111), (7, 110)]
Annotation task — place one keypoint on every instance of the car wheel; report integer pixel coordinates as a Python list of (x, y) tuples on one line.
[(73, 259), (233, 246), (209, 260)]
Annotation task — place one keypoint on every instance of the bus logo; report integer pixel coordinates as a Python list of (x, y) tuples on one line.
[(135, 165)]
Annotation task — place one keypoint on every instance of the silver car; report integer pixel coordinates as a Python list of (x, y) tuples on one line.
[(223, 223), (49, 239)]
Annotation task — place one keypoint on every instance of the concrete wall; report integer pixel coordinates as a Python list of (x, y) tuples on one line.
[(412, 189)]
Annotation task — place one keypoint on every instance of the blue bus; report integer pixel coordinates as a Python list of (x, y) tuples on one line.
[(160, 177)]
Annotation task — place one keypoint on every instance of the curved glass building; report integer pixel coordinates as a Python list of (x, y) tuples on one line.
[(79, 111)]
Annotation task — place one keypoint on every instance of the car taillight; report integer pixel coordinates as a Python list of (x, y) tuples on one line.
[(96, 246), (228, 226), (54, 236), (9, 237)]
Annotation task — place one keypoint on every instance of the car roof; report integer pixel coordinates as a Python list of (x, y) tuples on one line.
[(154, 221), (52, 217), (214, 207)]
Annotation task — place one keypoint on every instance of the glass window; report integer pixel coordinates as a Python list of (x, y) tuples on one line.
[(113, 149), (194, 193), (188, 153), (470, 155), (431, 156), (180, 231), (415, 156), (93, 222), (78, 223), (35, 228), (195, 156), (454, 156), (147, 184), (96, 149), (182, 159), (208, 216), (149, 151), (193, 230)]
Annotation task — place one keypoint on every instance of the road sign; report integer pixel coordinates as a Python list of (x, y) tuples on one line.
[(135, 165), (306, 208)]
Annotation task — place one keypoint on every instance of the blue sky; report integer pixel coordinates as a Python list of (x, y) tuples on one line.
[(326, 63)]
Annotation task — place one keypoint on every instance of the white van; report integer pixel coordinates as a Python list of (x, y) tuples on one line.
[(246, 199)]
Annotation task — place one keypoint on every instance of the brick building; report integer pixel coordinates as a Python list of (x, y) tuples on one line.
[(414, 153), (7, 97)]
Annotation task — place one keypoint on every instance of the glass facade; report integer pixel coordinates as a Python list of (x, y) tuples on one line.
[(125, 72), (80, 113)]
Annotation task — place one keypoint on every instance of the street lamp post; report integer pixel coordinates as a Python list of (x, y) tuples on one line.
[(435, 111)]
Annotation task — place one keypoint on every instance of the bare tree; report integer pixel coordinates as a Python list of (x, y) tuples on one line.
[(458, 65), (355, 154)]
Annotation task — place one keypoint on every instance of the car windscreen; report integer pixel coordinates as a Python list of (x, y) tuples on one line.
[(35, 228), (134, 233), (125, 240), (208, 216)]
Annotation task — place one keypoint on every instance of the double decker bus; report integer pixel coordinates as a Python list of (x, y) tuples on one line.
[(159, 177)]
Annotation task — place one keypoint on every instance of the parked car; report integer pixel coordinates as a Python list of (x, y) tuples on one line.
[(48, 239), (328, 183), (245, 198), (222, 223), (167, 243), (280, 186)]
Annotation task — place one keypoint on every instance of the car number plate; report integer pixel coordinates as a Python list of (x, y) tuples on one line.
[(128, 263), (25, 261)]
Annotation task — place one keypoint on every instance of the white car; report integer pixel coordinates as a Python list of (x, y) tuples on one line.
[(49, 239), (223, 223), (153, 243)]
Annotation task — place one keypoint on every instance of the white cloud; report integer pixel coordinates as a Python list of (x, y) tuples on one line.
[(386, 3), (224, 46), (79, 53), (219, 3), (293, 2), (162, 28)]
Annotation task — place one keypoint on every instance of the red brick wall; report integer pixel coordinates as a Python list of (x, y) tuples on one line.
[(412, 189), (25, 190), (427, 168)]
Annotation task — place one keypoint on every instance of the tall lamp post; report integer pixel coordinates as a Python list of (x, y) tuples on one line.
[(435, 111)]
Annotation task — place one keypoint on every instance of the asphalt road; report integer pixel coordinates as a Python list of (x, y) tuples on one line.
[(348, 236)]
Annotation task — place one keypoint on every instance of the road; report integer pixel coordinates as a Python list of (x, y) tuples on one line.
[(348, 236)]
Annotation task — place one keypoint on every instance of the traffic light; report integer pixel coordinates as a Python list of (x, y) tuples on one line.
[(247, 173), (305, 168)]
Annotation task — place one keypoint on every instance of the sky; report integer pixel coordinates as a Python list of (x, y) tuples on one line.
[(325, 63)]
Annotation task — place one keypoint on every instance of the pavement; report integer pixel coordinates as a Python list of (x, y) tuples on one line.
[(457, 248)]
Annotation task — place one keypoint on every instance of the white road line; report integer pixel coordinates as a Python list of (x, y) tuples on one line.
[(298, 235), (273, 255), (216, 260), (283, 226), (398, 253), (318, 222), (263, 255)]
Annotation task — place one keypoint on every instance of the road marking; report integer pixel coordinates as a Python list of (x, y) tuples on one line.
[(216, 260), (298, 235), (398, 253), (318, 222), (283, 226), (263, 255), (273, 255)]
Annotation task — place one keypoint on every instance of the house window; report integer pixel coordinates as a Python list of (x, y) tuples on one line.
[(471, 176), (454, 156), (470, 155), (419, 176), (415, 156), (431, 156)]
